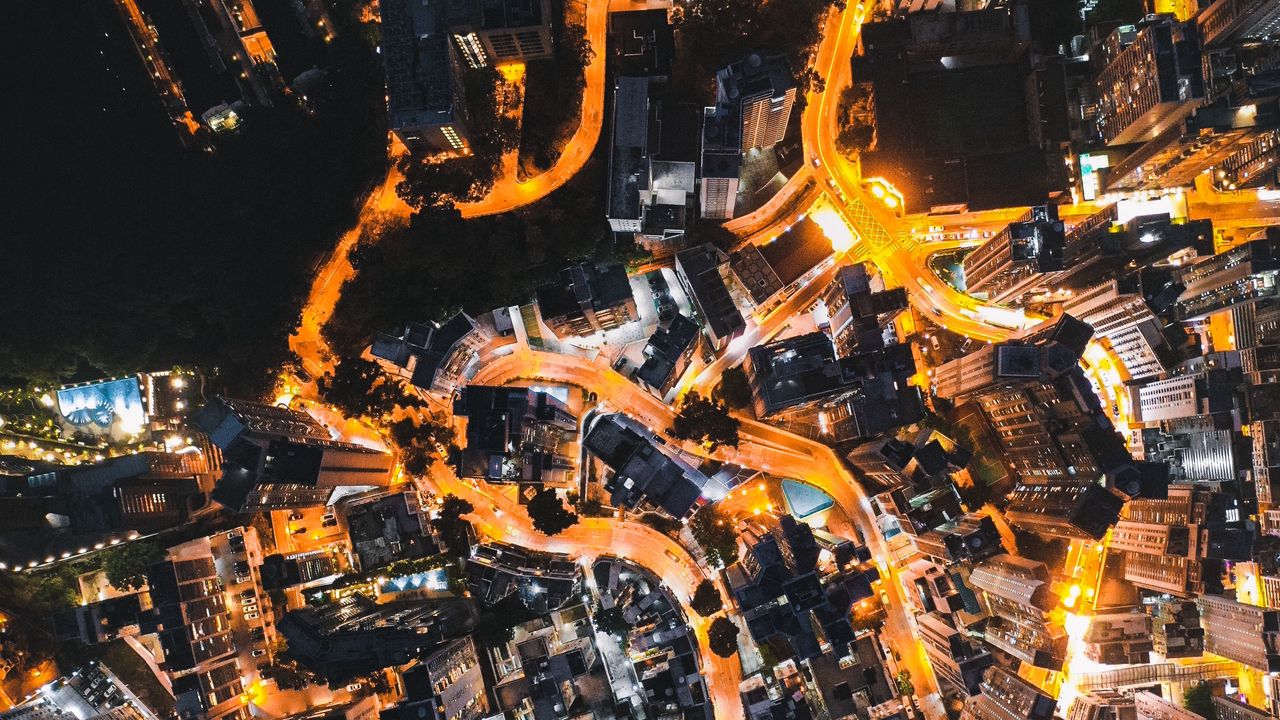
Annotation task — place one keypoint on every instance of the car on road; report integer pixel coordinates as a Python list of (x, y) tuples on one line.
[(353, 687)]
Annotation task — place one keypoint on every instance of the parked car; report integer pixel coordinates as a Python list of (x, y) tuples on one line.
[(251, 616), (258, 653), (250, 607), (248, 594), (241, 567), (295, 516)]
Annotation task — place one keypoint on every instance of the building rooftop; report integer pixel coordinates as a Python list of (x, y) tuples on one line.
[(627, 161), (643, 468), (644, 42), (416, 54), (664, 350), (700, 267)]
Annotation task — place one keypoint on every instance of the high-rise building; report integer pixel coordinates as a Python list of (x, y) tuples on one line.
[(1227, 20), (448, 683), (1176, 630), (490, 32), (955, 659), (1071, 510), (760, 92), (1150, 706), (1244, 633), (1265, 438), (1100, 247), (720, 161), (1161, 541), (1040, 355), (859, 315), (1246, 273), (193, 623), (1122, 318), (588, 299), (1151, 79), (1005, 696), (801, 383), (1229, 708), (1018, 594), (275, 457), (425, 103), (1193, 145), (1019, 259)]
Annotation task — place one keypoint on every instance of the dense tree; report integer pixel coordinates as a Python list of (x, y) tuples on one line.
[(611, 621), (705, 420), (714, 33), (903, 680), (434, 183), (417, 443), (359, 387), (722, 636), (126, 565), (1199, 700), (733, 390), (548, 513), (706, 599), (173, 256), (448, 521), (716, 535), (441, 263)]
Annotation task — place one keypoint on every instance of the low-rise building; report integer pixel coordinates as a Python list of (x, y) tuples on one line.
[(645, 469), (667, 355), (515, 435), (543, 581), (431, 356), (355, 636), (588, 299), (699, 272), (800, 383)]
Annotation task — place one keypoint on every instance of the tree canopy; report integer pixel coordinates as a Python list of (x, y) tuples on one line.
[(126, 565), (705, 420), (706, 599), (417, 443), (733, 390), (448, 522), (716, 534), (1199, 700), (359, 388), (722, 637), (548, 513)]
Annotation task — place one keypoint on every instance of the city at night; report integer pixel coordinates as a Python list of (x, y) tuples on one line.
[(640, 360)]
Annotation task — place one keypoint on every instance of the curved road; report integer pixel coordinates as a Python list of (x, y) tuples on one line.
[(761, 446), (508, 193)]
